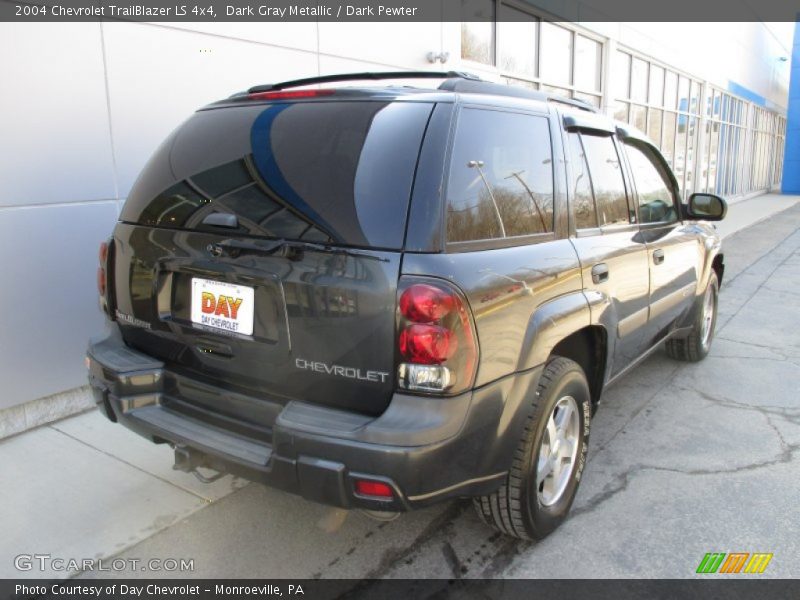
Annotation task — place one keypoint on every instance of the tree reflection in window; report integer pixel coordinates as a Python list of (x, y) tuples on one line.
[(501, 178)]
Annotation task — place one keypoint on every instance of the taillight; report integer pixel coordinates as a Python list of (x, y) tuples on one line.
[(101, 281), (427, 344), (102, 258), (296, 94), (103, 255), (436, 338), (425, 303)]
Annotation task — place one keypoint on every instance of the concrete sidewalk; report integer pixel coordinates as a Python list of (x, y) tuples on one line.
[(685, 459)]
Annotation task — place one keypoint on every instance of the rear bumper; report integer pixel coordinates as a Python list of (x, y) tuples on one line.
[(426, 449)]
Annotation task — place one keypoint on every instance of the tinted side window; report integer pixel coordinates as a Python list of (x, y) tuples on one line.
[(580, 184), (501, 176), (653, 184), (607, 180)]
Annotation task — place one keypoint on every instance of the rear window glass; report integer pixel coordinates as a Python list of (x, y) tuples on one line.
[(501, 176), (337, 172)]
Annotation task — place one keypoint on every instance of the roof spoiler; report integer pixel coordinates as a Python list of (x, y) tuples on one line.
[(271, 87)]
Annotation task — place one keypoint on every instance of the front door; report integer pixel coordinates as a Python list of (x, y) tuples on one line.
[(672, 246)]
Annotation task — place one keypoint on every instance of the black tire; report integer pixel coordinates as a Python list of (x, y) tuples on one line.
[(516, 509), (696, 346)]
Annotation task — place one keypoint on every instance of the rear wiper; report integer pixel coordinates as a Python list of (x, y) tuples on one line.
[(290, 249)]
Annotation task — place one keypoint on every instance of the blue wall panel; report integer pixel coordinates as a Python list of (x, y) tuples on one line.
[(791, 164)]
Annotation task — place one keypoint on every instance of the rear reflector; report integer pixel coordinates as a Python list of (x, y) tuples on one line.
[(377, 489), (289, 95)]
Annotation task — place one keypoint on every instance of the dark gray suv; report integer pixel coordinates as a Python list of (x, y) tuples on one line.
[(383, 298)]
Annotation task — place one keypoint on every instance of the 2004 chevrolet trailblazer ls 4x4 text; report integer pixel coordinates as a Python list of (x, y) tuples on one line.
[(386, 297)]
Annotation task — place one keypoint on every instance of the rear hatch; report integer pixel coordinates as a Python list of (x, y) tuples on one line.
[(260, 249)]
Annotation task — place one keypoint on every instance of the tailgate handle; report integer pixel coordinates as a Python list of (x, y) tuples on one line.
[(221, 350), (219, 219)]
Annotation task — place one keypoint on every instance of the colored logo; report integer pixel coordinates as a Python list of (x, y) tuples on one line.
[(735, 562), (225, 306)]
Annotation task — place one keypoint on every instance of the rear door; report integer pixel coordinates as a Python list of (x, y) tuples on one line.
[(612, 254), (216, 268), (674, 250)]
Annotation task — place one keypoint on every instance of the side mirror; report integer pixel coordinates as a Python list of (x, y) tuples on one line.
[(706, 207)]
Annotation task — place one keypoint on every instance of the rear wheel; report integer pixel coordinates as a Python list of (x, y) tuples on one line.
[(549, 460), (696, 346)]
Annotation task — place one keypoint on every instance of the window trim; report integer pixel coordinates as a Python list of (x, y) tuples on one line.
[(614, 227), (508, 241), (570, 197), (676, 203)]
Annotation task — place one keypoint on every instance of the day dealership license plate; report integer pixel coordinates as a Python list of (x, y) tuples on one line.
[(225, 306)]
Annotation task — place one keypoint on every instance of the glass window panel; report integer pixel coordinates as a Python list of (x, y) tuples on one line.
[(722, 157), (621, 75), (590, 98), (557, 90), (556, 61), (670, 89), (683, 94), (724, 107), (679, 163), (607, 181), (501, 176), (639, 80), (654, 187), (477, 30), (717, 104), (638, 117), (713, 152), (580, 185), (621, 111), (694, 95), (656, 86), (518, 42), (587, 64), (654, 126), (691, 136), (521, 83), (668, 138)]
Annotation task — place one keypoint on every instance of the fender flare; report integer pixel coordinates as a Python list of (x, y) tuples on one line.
[(550, 323)]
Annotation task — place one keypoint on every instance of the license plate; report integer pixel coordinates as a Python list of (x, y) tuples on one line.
[(225, 306)]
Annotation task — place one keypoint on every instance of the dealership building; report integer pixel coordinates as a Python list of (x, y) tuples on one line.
[(84, 105)]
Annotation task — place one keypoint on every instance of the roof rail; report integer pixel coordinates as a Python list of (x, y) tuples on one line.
[(479, 86), (271, 87)]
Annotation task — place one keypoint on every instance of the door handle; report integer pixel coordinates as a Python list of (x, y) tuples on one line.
[(658, 257), (600, 273)]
